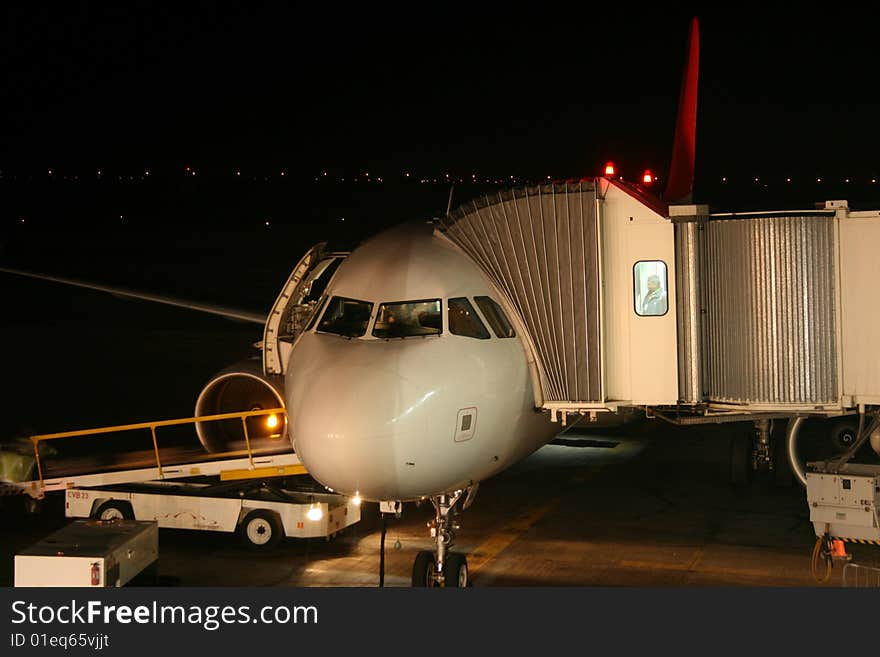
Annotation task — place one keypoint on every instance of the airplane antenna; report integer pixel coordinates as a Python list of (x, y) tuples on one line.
[(449, 202), (681, 172)]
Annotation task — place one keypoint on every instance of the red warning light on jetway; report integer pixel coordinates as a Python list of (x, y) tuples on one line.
[(609, 169), (648, 177)]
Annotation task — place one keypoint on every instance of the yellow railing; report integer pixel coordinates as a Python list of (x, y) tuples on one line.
[(152, 426)]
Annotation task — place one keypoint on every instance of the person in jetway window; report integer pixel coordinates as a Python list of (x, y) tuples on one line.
[(654, 301)]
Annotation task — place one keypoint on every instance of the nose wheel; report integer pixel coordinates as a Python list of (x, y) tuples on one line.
[(442, 567)]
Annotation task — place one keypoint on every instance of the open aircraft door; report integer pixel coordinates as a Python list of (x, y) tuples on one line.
[(299, 300)]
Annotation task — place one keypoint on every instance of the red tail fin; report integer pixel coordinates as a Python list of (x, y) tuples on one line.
[(681, 174)]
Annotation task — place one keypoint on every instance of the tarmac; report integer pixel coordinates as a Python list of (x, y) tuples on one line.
[(643, 506)]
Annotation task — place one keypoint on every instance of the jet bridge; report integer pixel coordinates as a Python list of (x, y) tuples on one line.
[(625, 301), (566, 256)]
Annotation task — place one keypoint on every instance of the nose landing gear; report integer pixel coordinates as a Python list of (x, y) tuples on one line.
[(443, 567)]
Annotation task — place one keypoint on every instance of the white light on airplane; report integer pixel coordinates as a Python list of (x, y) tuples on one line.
[(272, 420), (356, 500), (314, 513)]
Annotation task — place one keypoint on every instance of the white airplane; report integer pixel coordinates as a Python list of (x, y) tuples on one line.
[(405, 370)]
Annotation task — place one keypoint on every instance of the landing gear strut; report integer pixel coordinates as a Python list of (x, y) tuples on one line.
[(443, 567)]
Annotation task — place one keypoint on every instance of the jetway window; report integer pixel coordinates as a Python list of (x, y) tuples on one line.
[(346, 317), (408, 319), (650, 288), (463, 320), (496, 317)]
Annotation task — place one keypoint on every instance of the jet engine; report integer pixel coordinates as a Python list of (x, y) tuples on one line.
[(242, 387)]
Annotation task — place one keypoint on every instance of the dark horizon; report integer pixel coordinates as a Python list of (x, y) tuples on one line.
[(264, 88)]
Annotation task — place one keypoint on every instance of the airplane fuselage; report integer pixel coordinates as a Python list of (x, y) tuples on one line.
[(437, 409)]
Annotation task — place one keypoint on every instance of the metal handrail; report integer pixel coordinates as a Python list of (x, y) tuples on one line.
[(152, 426)]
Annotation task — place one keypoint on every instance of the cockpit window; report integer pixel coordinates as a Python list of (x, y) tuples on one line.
[(406, 319), (463, 320), (346, 317), (496, 317)]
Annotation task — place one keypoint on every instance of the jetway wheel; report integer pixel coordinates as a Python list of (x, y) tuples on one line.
[(423, 569), (456, 573), (261, 530)]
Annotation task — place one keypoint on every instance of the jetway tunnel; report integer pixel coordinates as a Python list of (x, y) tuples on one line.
[(762, 312)]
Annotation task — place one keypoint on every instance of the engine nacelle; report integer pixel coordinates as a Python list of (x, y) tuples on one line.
[(241, 387)]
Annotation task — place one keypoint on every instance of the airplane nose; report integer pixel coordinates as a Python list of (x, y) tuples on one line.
[(357, 429)]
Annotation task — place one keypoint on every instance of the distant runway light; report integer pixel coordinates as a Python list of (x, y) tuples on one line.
[(818, 180), (238, 173), (873, 180), (847, 180), (267, 223), (724, 179), (50, 172), (788, 180)]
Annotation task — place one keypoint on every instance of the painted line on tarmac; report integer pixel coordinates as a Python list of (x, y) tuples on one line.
[(489, 549)]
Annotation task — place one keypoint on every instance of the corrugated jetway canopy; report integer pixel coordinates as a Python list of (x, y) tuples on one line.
[(771, 300), (540, 246)]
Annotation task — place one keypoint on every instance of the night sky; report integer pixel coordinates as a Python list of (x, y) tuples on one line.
[(431, 88)]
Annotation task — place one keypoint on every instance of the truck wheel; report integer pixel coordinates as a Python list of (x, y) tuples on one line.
[(261, 530), (114, 510)]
